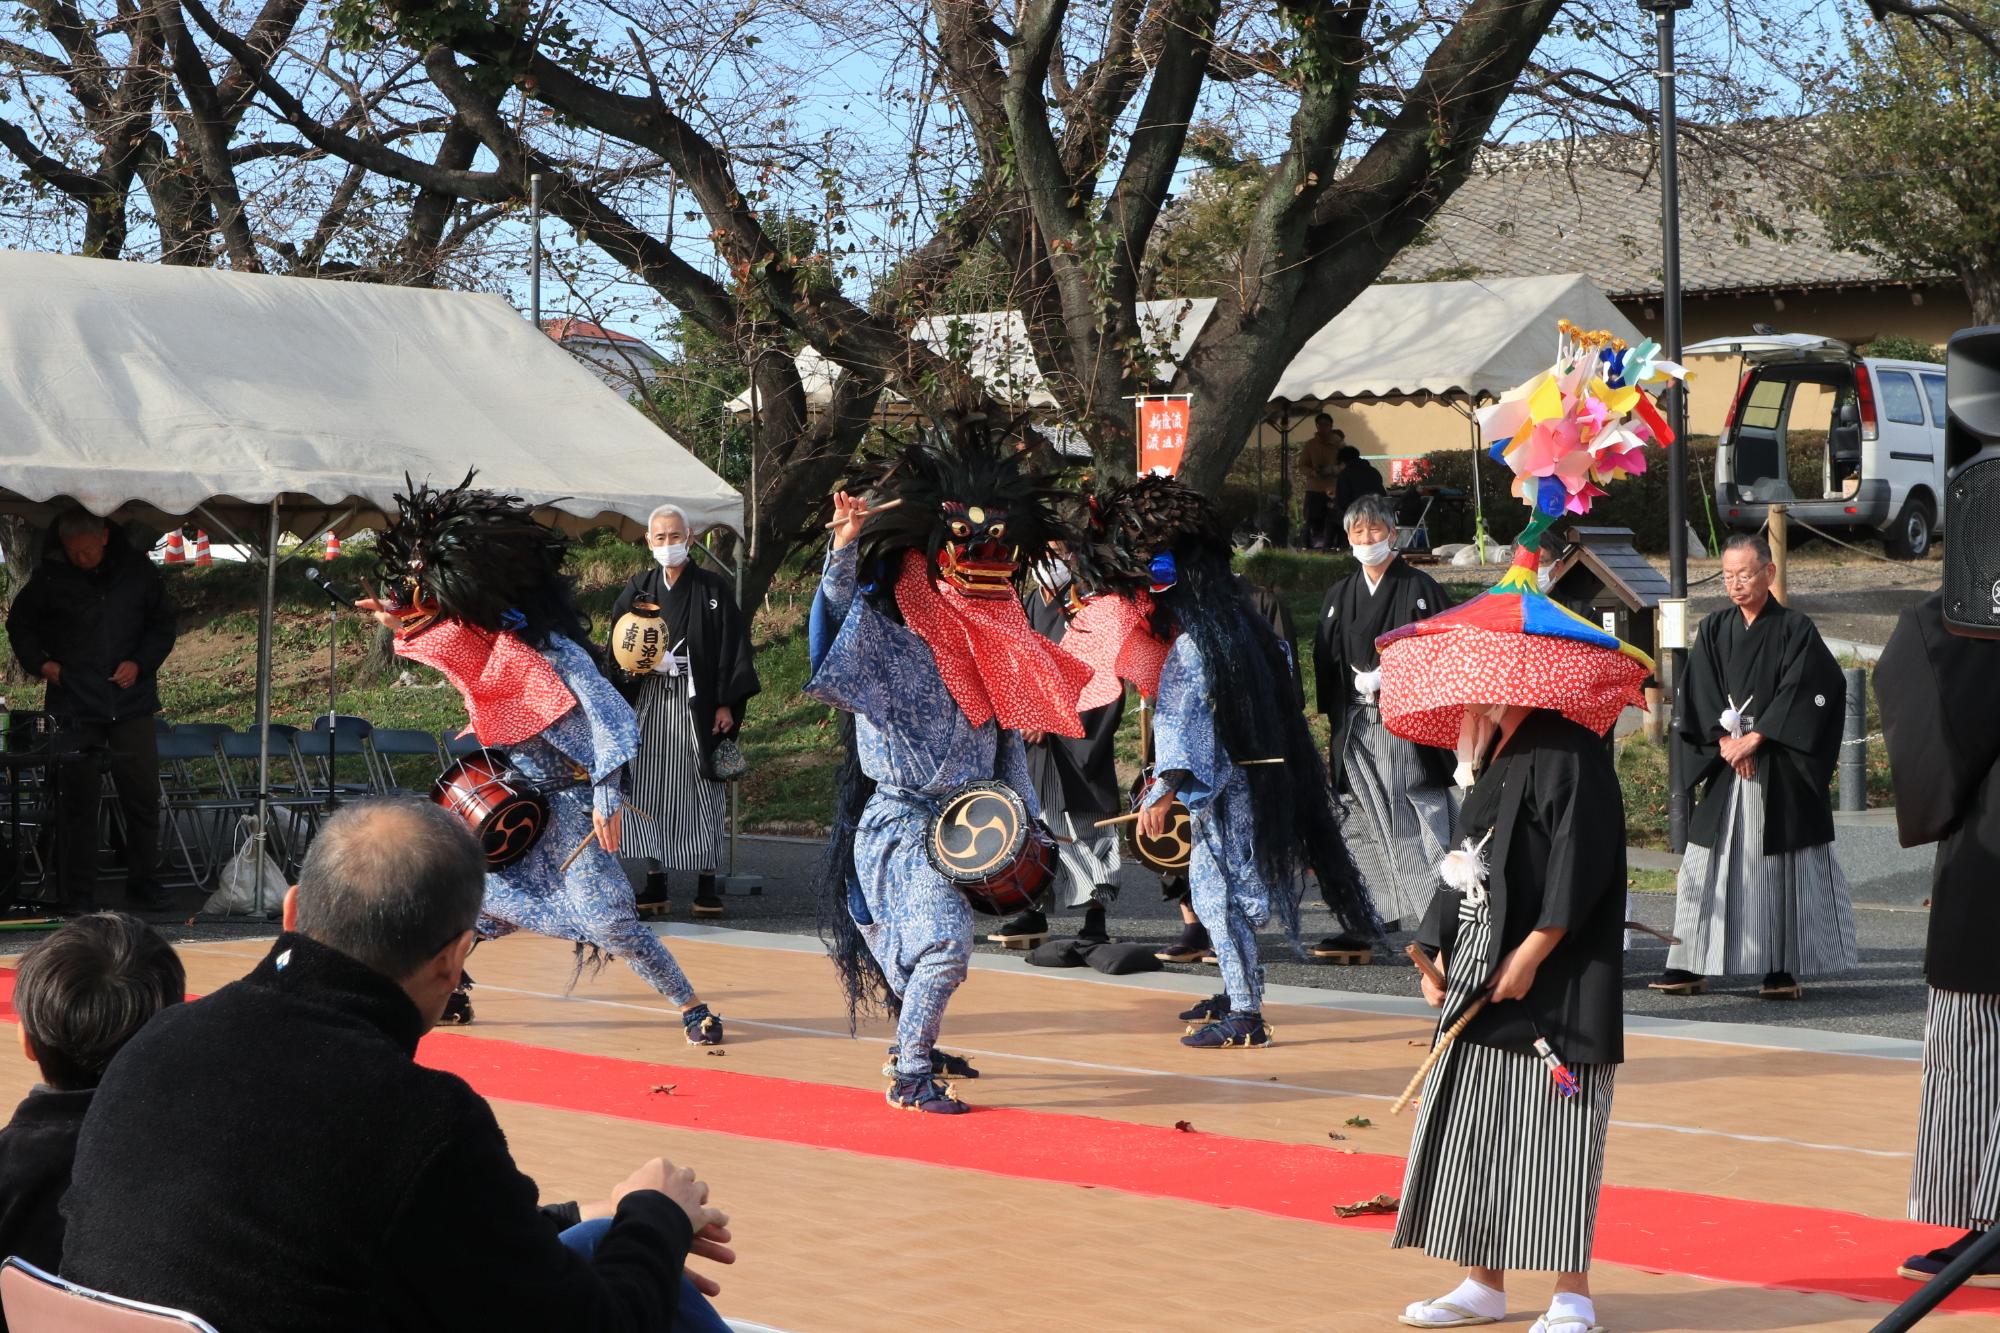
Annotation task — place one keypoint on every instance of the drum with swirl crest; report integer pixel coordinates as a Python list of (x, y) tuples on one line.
[(1168, 853), (506, 811), (982, 839)]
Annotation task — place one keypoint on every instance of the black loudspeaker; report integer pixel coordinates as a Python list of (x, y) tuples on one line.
[(1972, 483)]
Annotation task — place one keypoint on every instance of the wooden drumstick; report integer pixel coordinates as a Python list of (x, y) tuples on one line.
[(1430, 1061), (1424, 964), (1117, 819), (869, 512), (570, 860)]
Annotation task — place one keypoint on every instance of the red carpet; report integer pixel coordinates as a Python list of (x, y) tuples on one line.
[(1738, 1241)]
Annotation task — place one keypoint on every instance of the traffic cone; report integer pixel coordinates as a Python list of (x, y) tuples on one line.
[(332, 546), (201, 555), (176, 549)]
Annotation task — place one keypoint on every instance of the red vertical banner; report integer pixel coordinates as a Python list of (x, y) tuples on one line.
[(1163, 432)]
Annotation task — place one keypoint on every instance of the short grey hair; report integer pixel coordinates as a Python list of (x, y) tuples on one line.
[(1750, 541), (1374, 507), (78, 521), (391, 881), (663, 511)]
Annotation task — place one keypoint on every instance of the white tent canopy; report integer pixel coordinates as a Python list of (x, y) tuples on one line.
[(1452, 340), (163, 390)]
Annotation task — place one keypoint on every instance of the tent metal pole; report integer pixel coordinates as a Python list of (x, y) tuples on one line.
[(535, 261), (1478, 502), (264, 703)]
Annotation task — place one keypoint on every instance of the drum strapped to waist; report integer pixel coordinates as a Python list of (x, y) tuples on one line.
[(1167, 854), (506, 810), (981, 838)]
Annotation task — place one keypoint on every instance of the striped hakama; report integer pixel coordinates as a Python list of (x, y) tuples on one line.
[(1396, 822), (686, 828), (1503, 1169), (1956, 1179), (1086, 856), (1742, 912)]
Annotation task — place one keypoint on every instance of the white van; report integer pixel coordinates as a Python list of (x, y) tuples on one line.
[(1882, 466)]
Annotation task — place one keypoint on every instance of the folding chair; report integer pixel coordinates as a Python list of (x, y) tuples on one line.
[(457, 746), (321, 752), (195, 797), (38, 1302), (420, 753), (291, 804)]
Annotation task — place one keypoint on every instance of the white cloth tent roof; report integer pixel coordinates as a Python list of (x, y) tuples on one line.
[(995, 348), (159, 390), (1456, 340)]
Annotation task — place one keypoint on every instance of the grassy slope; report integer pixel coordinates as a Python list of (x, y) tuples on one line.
[(789, 740)]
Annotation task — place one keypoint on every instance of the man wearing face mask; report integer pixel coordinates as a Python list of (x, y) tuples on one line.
[(688, 704), (1395, 795), (1076, 780)]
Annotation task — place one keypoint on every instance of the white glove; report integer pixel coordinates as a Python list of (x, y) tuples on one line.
[(1367, 684), (1463, 776)]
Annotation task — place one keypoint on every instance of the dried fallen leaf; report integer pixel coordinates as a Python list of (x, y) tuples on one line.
[(1380, 1206), (718, 1052), (1358, 1121), (1337, 1138), (1184, 1126), (665, 1087), (1349, 1151)]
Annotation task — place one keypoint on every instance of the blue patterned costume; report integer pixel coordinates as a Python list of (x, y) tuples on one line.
[(591, 902), (917, 745), (1227, 891)]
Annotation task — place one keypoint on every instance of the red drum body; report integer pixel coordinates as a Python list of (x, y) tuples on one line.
[(982, 840), (502, 808)]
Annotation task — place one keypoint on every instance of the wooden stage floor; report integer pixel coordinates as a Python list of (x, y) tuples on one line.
[(1748, 1188)]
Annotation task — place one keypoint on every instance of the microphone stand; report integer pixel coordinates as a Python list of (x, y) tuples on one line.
[(337, 601)]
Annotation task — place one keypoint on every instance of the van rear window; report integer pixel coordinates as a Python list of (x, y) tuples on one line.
[(1900, 400), (1765, 405)]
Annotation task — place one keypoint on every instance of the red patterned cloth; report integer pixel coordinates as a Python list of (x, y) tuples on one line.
[(510, 690), (1113, 636), (990, 657), (1427, 681)]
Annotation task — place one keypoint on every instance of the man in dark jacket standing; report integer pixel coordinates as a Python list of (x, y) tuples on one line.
[(273, 1159), (95, 623)]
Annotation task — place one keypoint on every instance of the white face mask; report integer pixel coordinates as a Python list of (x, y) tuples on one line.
[(1055, 574), (1372, 554), (671, 556)]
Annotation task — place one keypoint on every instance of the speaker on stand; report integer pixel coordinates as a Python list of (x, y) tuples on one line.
[(1972, 483)]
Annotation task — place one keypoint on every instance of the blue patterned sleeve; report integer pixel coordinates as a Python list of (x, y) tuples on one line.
[(831, 601), (1184, 739), (601, 734)]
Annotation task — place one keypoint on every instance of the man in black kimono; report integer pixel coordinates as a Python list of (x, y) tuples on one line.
[(1941, 719), (1759, 717), (1077, 784), (1395, 795), (690, 703)]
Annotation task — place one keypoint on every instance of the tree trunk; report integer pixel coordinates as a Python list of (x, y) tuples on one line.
[(21, 544), (1982, 289)]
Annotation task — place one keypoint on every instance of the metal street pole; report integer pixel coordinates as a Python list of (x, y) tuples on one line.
[(1664, 12), (535, 249)]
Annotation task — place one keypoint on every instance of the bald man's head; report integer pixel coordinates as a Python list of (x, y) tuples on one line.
[(391, 882)]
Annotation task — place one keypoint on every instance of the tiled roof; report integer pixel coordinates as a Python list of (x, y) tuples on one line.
[(1594, 208), (562, 330)]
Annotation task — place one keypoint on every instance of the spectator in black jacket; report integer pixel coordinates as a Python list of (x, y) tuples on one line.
[(80, 996), (272, 1158), (95, 623)]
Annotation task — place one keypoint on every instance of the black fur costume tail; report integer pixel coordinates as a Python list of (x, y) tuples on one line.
[(861, 980), (1295, 819)]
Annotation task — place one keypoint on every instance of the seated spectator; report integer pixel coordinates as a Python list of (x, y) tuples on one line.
[(80, 995), (271, 1157)]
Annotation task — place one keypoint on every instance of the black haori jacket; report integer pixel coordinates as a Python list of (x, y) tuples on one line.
[(1557, 858), (1350, 620), (1941, 719), (1781, 672), (273, 1159), (700, 609)]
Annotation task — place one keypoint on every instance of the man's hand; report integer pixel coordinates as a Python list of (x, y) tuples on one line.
[(1153, 819), (374, 608), (711, 1225), (1516, 975), (610, 831), (1433, 993), (52, 672), (848, 512), (1033, 737), (724, 720), (1739, 752), (711, 1243), (125, 675)]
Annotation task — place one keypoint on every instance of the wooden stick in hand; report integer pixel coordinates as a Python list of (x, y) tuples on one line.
[(870, 512), (1430, 1061), (1424, 964)]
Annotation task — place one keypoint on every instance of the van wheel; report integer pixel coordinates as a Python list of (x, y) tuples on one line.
[(1909, 537)]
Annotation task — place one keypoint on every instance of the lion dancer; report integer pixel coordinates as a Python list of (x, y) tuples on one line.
[(1229, 739), (473, 588), (917, 631)]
